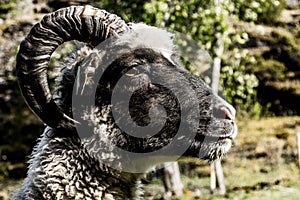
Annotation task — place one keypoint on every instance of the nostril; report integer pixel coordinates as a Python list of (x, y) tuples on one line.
[(222, 113), (228, 115)]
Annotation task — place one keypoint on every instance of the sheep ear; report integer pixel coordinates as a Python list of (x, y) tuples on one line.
[(86, 24)]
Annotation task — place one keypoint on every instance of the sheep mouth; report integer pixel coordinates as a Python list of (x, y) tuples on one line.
[(217, 128), (228, 136), (218, 138), (210, 146), (231, 135), (213, 147)]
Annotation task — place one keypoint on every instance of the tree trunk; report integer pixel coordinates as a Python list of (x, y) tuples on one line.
[(216, 175), (217, 178), (216, 75), (172, 181)]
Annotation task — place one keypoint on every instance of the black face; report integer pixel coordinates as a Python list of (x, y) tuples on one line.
[(150, 102)]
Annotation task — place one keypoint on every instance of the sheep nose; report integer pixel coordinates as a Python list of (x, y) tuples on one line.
[(228, 113), (225, 111)]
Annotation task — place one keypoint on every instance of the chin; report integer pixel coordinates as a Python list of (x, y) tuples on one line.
[(211, 148)]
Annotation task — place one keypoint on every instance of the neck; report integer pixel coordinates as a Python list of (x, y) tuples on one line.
[(60, 166)]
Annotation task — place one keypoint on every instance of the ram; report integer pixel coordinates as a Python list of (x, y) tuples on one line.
[(122, 104)]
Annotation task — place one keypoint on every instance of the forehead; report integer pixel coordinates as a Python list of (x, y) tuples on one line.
[(142, 56)]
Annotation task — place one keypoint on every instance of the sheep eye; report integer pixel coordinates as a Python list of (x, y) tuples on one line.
[(133, 72)]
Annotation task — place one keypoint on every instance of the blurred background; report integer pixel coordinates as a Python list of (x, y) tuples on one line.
[(258, 44)]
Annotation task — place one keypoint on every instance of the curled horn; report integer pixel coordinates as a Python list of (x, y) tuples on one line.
[(82, 23)]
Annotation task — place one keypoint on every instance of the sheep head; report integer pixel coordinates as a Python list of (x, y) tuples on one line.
[(129, 94)]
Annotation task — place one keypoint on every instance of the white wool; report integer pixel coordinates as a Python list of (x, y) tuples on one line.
[(144, 36)]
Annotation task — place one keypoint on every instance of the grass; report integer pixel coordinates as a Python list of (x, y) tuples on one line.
[(262, 164), (6, 186)]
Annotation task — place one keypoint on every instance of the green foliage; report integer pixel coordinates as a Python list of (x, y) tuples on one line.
[(285, 49), (259, 11), (269, 70), (7, 5), (240, 85), (286, 41), (130, 10), (198, 19), (296, 31)]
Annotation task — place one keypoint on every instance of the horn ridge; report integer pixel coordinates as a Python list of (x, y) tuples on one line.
[(82, 23)]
